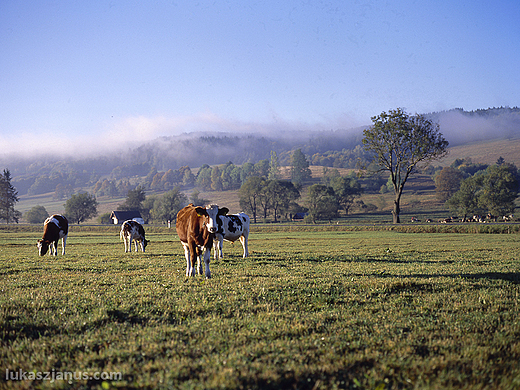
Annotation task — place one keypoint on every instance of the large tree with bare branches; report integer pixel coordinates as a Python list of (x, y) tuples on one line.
[(401, 144)]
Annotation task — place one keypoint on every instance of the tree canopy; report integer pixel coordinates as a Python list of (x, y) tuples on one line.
[(81, 207), (491, 191), (299, 168)]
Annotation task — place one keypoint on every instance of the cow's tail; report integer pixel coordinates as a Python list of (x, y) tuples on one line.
[(122, 235)]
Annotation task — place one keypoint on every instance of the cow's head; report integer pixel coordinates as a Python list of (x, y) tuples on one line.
[(210, 214), (145, 242), (43, 247)]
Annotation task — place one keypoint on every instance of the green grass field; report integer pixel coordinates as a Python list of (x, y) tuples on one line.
[(325, 307)]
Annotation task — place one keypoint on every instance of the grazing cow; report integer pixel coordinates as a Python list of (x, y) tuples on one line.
[(133, 231), (196, 228), (54, 228), (231, 228)]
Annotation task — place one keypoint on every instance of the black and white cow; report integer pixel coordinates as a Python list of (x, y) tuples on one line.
[(133, 231), (231, 227), (54, 228)]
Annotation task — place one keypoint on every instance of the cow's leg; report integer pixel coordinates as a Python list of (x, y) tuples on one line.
[(127, 246), (54, 246), (189, 269), (142, 245), (136, 245), (243, 240), (63, 241), (220, 247), (207, 258), (217, 247), (199, 257)]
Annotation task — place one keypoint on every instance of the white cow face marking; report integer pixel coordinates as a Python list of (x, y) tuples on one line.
[(212, 212), (43, 247)]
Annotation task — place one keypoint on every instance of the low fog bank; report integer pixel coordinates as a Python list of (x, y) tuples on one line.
[(256, 143), (461, 127)]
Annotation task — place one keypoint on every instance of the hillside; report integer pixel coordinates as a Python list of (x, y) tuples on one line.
[(482, 135), (486, 152)]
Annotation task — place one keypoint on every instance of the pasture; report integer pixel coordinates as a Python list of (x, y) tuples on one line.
[(318, 307)]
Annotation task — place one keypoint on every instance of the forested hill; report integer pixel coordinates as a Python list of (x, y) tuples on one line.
[(338, 148)]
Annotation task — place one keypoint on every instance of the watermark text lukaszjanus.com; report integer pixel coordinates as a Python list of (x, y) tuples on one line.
[(53, 375)]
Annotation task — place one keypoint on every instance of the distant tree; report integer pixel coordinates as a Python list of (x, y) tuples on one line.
[(262, 168), (204, 177), (322, 203), (250, 193), (216, 179), (274, 167), (149, 177), (37, 214), (346, 189), (188, 178), (248, 170), (8, 198), (447, 183), (400, 143), (491, 191), (81, 207), (281, 194), (123, 186), (156, 184), (225, 176), (63, 191), (196, 199), (465, 201), (169, 179), (147, 206), (329, 175), (299, 168), (105, 219), (168, 205), (134, 199), (468, 167), (499, 189)]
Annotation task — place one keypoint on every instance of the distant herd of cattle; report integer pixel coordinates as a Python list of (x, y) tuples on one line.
[(198, 228), (475, 218)]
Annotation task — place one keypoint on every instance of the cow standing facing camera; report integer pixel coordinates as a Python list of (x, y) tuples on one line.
[(133, 231), (55, 227), (196, 228)]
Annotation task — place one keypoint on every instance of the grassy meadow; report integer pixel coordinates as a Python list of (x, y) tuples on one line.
[(313, 307)]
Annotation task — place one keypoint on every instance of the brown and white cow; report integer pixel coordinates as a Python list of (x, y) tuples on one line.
[(54, 228), (133, 231), (196, 228), (231, 227)]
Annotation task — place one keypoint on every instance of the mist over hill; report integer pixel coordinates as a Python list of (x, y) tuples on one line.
[(460, 127), (194, 149)]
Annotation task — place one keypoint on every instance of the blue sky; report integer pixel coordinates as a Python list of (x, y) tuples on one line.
[(79, 76)]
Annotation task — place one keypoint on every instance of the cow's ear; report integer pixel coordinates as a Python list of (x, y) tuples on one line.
[(223, 211), (201, 211)]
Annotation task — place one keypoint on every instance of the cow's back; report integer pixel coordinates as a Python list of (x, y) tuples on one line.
[(56, 226)]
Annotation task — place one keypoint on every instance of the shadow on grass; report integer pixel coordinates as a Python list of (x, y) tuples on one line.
[(12, 331), (513, 277)]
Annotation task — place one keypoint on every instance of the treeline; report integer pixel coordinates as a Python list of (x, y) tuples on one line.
[(484, 191), (338, 148)]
